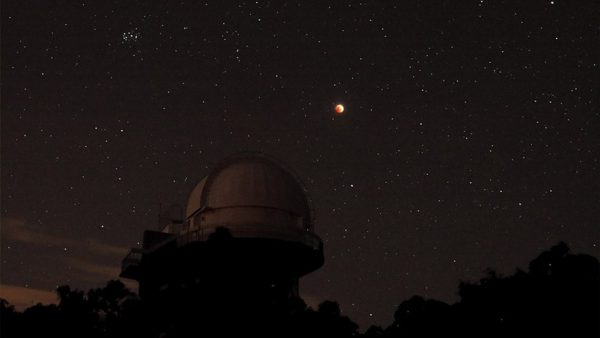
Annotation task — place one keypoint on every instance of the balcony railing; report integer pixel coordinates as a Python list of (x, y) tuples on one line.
[(293, 235), (133, 259)]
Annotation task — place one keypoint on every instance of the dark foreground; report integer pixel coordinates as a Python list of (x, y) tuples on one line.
[(559, 296)]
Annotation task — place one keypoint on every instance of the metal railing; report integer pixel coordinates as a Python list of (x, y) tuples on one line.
[(133, 258), (239, 231)]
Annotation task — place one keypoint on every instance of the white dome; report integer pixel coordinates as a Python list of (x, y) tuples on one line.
[(250, 189), (193, 203)]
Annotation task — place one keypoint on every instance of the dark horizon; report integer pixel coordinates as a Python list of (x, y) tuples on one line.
[(468, 139), (558, 295)]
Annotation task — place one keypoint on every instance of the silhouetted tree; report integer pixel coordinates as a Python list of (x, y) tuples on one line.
[(374, 331), (558, 296), (10, 320), (420, 317), (220, 234), (42, 320), (113, 305)]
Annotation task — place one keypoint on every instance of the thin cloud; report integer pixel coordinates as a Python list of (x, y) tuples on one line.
[(84, 253), (22, 297), (94, 271), (16, 229)]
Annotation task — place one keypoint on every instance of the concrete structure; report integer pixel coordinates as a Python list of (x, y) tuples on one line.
[(247, 228)]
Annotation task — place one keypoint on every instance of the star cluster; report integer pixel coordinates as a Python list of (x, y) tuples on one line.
[(470, 137)]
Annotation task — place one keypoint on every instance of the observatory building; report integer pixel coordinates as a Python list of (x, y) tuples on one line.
[(247, 228)]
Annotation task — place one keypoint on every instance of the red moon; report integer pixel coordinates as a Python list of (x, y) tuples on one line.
[(339, 109)]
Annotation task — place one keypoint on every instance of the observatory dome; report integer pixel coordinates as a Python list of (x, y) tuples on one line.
[(251, 195), (248, 219)]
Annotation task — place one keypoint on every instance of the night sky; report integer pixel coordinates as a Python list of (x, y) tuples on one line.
[(470, 137)]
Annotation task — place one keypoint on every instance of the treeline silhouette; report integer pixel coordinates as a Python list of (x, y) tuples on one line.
[(559, 296)]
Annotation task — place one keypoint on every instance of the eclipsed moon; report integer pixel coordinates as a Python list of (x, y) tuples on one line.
[(339, 109)]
